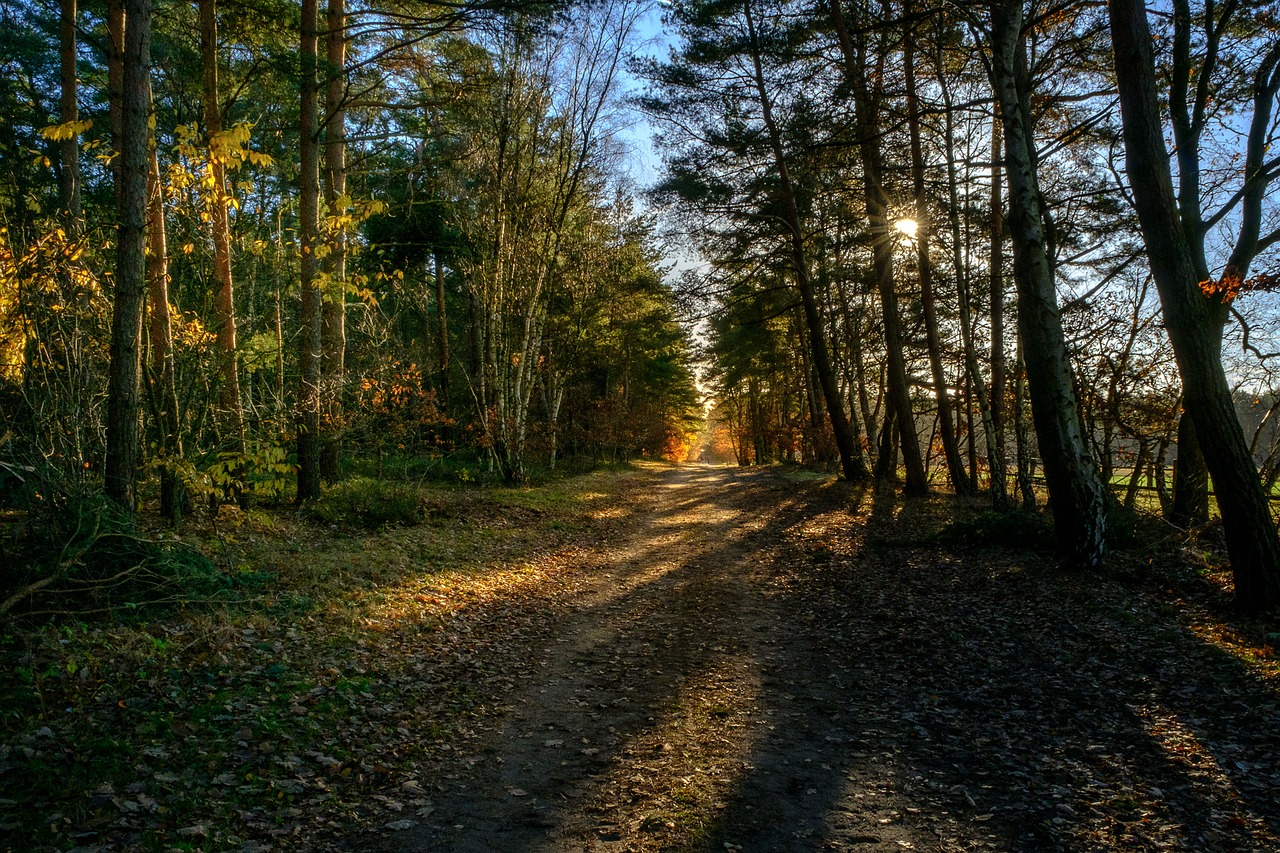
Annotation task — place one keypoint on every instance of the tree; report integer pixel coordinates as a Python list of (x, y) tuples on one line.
[(867, 104), (1076, 494), (554, 93), (850, 453), (334, 331), (163, 373), (1195, 305), (734, 100), (310, 341), (123, 397), (960, 482), (69, 116), (230, 409)]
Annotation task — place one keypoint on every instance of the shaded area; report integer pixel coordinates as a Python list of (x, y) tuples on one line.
[(772, 665)]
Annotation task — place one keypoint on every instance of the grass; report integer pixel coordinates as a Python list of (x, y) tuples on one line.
[(132, 730)]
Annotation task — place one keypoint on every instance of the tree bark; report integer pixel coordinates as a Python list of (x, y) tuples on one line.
[(1191, 319), (887, 448), (1076, 494), (123, 382), (1189, 505), (335, 263), (960, 481), (230, 409), (310, 346), (1021, 435), (1162, 483)]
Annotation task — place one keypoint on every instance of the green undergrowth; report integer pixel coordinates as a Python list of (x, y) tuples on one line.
[(1033, 531), (279, 681), (1014, 529), (372, 503), (71, 550)]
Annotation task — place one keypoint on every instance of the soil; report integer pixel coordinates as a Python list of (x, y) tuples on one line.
[(739, 659)]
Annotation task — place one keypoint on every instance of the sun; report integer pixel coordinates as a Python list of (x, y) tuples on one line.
[(906, 226)]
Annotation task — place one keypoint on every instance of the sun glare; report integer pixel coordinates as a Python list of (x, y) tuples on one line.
[(906, 226)]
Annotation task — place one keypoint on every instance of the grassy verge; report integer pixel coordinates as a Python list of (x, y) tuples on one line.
[(292, 706)]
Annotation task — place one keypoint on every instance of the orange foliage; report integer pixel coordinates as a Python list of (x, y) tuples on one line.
[(399, 409), (1232, 285)]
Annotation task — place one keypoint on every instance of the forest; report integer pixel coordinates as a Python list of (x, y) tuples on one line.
[(353, 353)]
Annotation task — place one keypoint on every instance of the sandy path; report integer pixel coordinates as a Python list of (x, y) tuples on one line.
[(743, 665), (675, 706)]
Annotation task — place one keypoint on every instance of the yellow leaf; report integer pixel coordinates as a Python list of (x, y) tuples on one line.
[(67, 130)]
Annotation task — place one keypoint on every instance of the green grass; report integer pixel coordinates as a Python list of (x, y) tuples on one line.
[(315, 621)]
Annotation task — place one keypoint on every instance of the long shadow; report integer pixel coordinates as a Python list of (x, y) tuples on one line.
[(612, 670), (908, 698), (1010, 707)]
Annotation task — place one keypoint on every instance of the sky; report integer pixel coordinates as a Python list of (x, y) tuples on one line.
[(644, 161)]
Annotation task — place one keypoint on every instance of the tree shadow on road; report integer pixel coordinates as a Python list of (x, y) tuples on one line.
[(811, 674), (985, 700)]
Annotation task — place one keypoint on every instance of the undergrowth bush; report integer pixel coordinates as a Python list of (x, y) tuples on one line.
[(1022, 529), (1126, 528), (372, 503), (81, 553), (1017, 529)]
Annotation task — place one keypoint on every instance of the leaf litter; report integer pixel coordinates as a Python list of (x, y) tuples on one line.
[(691, 658)]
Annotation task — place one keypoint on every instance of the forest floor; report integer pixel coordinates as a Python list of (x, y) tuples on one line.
[(673, 658)]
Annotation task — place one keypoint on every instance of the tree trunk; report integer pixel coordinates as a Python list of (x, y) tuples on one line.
[(335, 263), (115, 86), (866, 109), (279, 314), (1192, 320), (998, 372), (887, 455), (1190, 504), (442, 335), (123, 398), (1021, 435), (1075, 493), (993, 437), (852, 463), (310, 346), (69, 111), (1135, 477), (858, 381), (1162, 483), (160, 333), (230, 409), (997, 283), (960, 481)]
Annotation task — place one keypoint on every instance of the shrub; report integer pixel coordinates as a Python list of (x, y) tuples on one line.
[(371, 503), (1017, 529), (82, 553)]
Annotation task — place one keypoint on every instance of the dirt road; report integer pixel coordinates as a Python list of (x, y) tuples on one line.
[(761, 662)]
